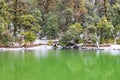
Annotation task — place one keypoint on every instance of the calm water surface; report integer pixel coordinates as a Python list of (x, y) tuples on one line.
[(59, 65)]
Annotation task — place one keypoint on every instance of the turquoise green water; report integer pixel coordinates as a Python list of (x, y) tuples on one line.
[(59, 65)]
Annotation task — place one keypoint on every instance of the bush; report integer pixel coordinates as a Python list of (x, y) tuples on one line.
[(50, 42), (80, 41), (6, 38), (107, 41), (72, 35), (29, 36), (118, 41)]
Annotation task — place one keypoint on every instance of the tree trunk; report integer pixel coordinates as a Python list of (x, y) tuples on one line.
[(15, 16), (105, 9)]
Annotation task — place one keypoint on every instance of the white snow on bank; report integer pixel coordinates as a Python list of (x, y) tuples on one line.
[(43, 41), (9, 49), (43, 47), (40, 41), (113, 49)]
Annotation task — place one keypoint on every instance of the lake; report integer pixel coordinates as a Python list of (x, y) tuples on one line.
[(59, 65)]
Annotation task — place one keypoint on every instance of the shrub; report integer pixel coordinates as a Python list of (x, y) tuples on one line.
[(108, 41), (66, 38), (50, 42), (80, 41), (118, 41), (72, 35), (29, 36), (6, 38)]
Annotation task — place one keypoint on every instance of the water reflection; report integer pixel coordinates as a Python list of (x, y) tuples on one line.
[(112, 52), (54, 64), (97, 52), (44, 53), (40, 53)]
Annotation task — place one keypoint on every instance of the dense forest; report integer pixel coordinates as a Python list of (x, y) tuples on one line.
[(24, 21)]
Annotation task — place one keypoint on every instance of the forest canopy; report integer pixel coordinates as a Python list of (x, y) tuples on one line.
[(59, 19)]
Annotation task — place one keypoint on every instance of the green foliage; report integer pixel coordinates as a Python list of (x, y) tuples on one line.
[(80, 41), (37, 14), (117, 28), (108, 41), (65, 19), (28, 22), (29, 36), (16, 9), (104, 29), (50, 43), (91, 19), (72, 35), (88, 20), (4, 14), (116, 14), (6, 38), (57, 16), (51, 26), (47, 6), (68, 13), (3, 25), (118, 41), (75, 29), (104, 24), (91, 28), (66, 38)]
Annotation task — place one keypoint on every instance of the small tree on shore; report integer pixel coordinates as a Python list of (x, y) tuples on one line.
[(29, 37), (29, 25), (104, 29), (72, 35)]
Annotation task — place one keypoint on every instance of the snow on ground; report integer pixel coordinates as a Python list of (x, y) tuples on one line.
[(113, 49), (43, 41), (40, 41), (43, 47)]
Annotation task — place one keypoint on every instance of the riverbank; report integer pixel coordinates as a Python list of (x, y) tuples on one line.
[(45, 45), (42, 47), (37, 44), (103, 47)]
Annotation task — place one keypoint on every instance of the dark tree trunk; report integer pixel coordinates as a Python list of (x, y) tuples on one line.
[(105, 9), (15, 16)]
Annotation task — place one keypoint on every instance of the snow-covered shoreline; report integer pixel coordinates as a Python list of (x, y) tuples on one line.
[(41, 44), (47, 47), (42, 47)]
